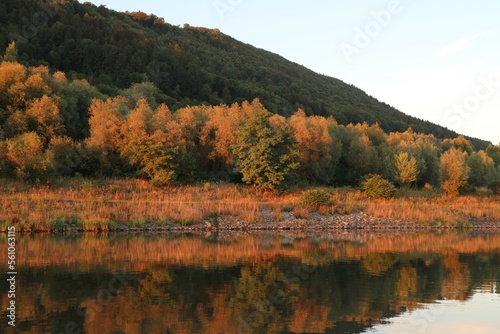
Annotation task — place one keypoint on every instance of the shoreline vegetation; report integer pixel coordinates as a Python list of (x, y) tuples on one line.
[(114, 205), (75, 159)]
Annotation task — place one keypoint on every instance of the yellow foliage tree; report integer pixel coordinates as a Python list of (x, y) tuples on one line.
[(406, 169), (25, 153), (44, 113), (105, 124), (318, 148), (454, 171), (218, 132)]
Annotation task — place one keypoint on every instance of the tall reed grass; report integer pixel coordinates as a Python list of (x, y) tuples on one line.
[(105, 204)]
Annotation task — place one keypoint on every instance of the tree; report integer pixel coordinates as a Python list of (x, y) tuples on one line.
[(406, 170), (454, 171), (44, 114), (137, 124), (11, 53), (74, 101), (264, 154), (460, 143), (106, 119), (494, 153), (156, 158), (68, 156), (362, 157), (25, 153), (482, 169), (217, 133), (318, 147), (105, 124), (425, 149)]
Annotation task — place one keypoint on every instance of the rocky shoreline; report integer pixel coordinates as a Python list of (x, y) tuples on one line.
[(355, 222)]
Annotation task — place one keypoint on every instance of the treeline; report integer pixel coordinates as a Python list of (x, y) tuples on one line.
[(189, 65), (51, 126)]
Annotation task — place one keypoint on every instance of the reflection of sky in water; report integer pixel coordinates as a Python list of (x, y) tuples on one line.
[(479, 315)]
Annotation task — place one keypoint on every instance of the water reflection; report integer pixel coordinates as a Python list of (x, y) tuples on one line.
[(478, 315), (256, 283)]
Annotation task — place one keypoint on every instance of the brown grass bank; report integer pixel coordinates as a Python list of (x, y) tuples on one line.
[(110, 204)]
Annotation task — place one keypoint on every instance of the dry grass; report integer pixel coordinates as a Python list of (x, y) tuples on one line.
[(104, 204)]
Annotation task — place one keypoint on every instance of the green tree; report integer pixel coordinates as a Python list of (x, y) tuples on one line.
[(482, 169), (69, 157), (406, 170), (425, 149), (264, 154), (454, 171), (156, 158), (494, 153)]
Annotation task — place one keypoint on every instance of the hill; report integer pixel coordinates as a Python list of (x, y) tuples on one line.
[(190, 65)]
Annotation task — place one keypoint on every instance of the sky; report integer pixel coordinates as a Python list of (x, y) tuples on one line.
[(435, 60)]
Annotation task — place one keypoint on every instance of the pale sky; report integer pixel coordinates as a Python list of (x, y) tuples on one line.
[(436, 60)]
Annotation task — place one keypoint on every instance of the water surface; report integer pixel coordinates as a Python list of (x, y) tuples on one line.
[(259, 283)]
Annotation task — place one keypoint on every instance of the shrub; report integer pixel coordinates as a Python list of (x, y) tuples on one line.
[(316, 198), (376, 186), (301, 212)]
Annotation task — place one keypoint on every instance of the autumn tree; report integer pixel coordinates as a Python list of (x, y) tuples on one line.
[(217, 133), (454, 171), (161, 118), (137, 124), (10, 53), (106, 119), (406, 170), (460, 143), (44, 118), (264, 154), (25, 154), (318, 147)]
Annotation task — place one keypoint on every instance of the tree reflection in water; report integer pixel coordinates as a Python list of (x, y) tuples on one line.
[(250, 284)]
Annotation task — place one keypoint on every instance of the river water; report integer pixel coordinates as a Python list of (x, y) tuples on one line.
[(256, 283)]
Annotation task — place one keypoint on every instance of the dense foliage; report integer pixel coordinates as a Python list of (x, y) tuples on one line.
[(316, 197), (53, 126), (376, 186), (189, 65)]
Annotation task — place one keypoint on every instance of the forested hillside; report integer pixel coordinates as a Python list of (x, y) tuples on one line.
[(189, 66)]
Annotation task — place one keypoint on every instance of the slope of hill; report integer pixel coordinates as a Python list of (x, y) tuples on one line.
[(189, 65)]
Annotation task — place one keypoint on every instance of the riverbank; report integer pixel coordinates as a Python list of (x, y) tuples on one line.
[(76, 205)]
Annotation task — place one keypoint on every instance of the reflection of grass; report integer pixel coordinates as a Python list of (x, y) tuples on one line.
[(104, 204)]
